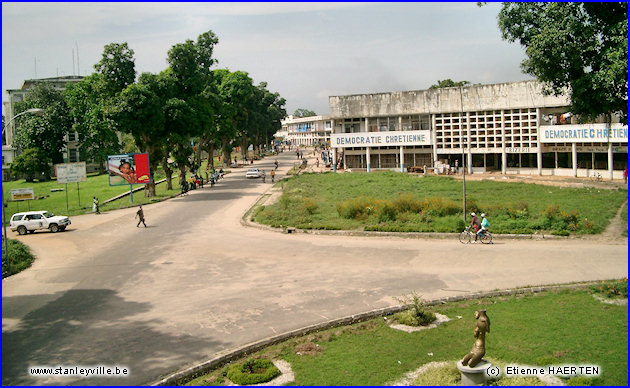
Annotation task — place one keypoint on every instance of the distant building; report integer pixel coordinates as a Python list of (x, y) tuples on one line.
[(9, 151), (308, 131), (512, 128)]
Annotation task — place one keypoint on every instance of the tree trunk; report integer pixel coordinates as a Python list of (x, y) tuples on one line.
[(182, 173), (149, 188), (210, 165), (169, 174), (226, 154)]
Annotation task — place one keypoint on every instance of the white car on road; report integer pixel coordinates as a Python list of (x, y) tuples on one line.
[(32, 221), (253, 173)]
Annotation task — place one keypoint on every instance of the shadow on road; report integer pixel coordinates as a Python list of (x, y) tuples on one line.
[(90, 328)]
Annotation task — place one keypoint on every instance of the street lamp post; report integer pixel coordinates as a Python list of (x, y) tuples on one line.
[(37, 112)]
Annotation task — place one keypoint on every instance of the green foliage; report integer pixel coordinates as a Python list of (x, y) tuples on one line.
[(117, 67), (547, 360), (252, 371), (309, 205), (449, 83), (372, 354), (433, 204), (31, 164), (612, 289), (416, 314), (574, 46), (46, 132), (301, 112), (19, 258)]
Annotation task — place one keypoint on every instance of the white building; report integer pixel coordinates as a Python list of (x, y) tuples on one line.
[(9, 152), (510, 127), (308, 131)]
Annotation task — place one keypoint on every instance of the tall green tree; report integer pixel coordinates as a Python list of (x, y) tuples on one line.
[(117, 68), (577, 47), (90, 109), (140, 113), (46, 132)]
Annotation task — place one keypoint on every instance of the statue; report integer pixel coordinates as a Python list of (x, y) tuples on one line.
[(479, 348)]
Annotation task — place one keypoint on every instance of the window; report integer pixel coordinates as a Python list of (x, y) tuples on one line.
[(17, 217), (73, 155), (72, 136)]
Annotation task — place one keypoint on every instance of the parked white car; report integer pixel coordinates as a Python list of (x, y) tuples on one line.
[(253, 173), (41, 219)]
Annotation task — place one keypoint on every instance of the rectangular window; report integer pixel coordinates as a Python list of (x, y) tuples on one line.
[(73, 155)]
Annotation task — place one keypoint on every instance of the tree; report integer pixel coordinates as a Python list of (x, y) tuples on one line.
[(90, 108), (449, 83), (31, 163), (139, 112), (579, 48), (46, 132), (117, 67), (301, 112)]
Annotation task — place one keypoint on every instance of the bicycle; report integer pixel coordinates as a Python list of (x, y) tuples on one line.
[(597, 177), (467, 236)]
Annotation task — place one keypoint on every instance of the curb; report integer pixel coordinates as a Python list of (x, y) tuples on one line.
[(234, 354)]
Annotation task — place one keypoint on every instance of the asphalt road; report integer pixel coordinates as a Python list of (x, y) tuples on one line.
[(196, 282)]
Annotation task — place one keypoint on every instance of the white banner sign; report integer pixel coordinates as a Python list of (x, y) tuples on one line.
[(379, 139), (22, 194), (584, 133), (70, 172)]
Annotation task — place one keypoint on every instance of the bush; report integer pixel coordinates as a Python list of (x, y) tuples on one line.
[(416, 314), (385, 211), (407, 203), (253, 372), (616, 289), (580, 381), (440, 207), (20, 258), (358, 208), (309, 205)]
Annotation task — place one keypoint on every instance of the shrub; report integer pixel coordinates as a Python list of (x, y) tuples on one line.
[(416, 314), (357, 208), (551, 212), (309, 205), (580, 381), (407, 203), (460, 224), (612, 289), (253, 371), (440, 207), (385, 211), (20, 258)]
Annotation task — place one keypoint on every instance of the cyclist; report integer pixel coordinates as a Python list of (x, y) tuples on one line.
[(476, 224), (484, 226)]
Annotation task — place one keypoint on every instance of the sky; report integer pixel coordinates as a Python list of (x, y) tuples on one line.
[(304, 51)]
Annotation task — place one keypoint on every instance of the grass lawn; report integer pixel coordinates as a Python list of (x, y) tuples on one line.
[(19, 259), (389, 201), (561, 327), (96, 185)]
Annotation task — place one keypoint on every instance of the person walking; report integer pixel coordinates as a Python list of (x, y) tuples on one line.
[(140, 215), (625, 175), (273, 175)]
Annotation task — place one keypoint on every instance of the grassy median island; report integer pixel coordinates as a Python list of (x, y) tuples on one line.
[(19, 258), (559, 327), (394, 202)]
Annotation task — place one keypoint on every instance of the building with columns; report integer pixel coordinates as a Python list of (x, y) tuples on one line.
[(511, 128), (307, 131)]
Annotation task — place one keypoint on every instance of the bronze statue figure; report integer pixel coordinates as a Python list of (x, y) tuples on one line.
[(479, 348)]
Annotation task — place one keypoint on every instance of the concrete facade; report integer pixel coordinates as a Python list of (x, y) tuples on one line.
[(512, 127), (307, 131)]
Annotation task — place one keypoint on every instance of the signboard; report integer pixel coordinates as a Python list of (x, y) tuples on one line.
[(70, 172), (380, 139), (128, 169), (584, 133), (22, 194), (601, 149)]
